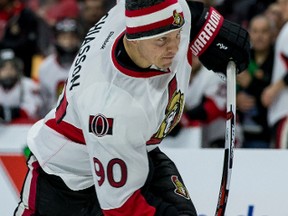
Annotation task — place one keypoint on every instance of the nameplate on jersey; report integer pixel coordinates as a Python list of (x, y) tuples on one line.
[(100, 125)]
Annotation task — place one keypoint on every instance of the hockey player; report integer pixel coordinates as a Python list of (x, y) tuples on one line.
[(125, 92), (275, 96), (53, 71), (19, 95)]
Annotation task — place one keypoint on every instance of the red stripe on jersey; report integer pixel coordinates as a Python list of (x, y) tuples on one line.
[(136, 205), (33, 186), (153, 141), (172, 87), (149, 10), (156, 25), (33, 190), (61, 108), (69, 131)]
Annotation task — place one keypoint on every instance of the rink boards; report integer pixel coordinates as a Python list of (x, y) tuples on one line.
[(259, 184)]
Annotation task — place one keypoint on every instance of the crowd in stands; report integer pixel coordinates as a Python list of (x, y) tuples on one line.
[(40, 38)]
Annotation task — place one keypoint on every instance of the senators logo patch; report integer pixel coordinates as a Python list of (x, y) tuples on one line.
[(178, 18), (180, 189), (100, 125)]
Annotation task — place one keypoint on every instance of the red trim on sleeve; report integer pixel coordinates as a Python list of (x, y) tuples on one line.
[(136, 205), (70, 131)]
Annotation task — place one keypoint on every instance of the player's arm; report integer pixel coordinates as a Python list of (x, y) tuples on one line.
[(216, 40)]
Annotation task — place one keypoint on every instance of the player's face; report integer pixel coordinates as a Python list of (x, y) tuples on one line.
[(93, 10), (8, 71), (160, 51), (67, 40), (260, 34), (8, 75)]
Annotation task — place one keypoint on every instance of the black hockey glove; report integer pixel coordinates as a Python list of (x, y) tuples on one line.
[(218, 41)]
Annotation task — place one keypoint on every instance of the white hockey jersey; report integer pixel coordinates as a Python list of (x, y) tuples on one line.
[(108, 116), (25, 95), (52, 77), (278, 109)]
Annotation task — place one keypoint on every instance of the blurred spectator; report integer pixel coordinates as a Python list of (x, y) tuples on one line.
[(54, 10), (236, 11), (258, 8), (253, 115), (18, 31), (91, 11), (54, 69), (242, 11), (19, 95), (273, 12), (275, 96), (206, 102)]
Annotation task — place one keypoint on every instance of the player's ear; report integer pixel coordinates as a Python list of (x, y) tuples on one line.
[(132, 42)]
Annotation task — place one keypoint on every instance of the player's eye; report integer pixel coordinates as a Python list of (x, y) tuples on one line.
[(161, 41)]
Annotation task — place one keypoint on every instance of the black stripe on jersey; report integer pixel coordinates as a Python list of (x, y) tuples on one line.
[(100, 125)]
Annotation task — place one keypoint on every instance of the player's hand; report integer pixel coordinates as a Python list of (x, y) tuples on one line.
[(230, 43)]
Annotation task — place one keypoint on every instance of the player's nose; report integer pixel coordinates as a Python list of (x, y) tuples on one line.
[(173, 46)]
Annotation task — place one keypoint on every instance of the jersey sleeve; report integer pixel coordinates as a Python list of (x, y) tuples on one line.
[(115, 131)]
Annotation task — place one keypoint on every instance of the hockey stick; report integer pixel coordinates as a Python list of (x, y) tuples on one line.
[(229, 139)]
